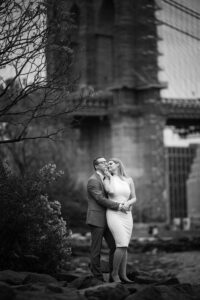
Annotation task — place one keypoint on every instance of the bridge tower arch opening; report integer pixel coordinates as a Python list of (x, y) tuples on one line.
[(180, 159)]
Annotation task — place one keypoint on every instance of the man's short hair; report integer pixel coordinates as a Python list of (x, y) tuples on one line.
[(95, 161)]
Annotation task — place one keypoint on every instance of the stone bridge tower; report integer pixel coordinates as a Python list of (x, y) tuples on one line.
[(118, 56)]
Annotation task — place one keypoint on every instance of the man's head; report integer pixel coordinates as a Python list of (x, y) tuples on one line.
[(99, 164)]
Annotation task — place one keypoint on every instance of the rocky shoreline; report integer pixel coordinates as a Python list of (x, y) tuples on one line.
[(71, 286), (77, 283), (66, 285)]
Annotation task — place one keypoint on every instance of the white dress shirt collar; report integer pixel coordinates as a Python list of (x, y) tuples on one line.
[(100, 174)]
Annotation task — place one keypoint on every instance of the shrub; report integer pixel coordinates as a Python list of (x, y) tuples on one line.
[(73, 201), (33, 234)]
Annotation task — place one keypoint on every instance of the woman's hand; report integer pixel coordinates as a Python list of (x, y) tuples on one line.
[(128, 205), (107, 173), (107, 182)]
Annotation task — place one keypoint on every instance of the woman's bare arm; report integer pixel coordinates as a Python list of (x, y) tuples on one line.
[(133, 199)]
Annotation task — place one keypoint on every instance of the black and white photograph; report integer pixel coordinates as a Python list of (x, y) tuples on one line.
[(99, 149)]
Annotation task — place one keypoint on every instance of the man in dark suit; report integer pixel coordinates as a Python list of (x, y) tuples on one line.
[(98, 202)]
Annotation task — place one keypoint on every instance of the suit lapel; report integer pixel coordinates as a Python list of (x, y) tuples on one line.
[(99, 179)]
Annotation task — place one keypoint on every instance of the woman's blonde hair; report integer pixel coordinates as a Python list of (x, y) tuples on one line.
[(122, 172)]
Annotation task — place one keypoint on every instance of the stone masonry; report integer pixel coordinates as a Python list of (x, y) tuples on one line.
[(117, 54)]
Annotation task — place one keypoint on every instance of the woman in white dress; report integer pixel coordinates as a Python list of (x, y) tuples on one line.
[(120, 188)]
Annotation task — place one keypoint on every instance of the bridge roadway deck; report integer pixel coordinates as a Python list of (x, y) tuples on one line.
[(103, 104)]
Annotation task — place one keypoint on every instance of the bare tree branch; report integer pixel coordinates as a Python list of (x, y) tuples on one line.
[(20, 138), (27, 37)]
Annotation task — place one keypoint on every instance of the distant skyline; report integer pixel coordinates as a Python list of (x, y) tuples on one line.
[(181, 54)]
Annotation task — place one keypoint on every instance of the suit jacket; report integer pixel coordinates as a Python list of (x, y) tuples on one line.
[(98, 202)]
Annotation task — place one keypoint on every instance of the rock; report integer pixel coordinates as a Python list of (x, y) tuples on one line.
[(145, 280), (131, 268), (180, 291), (6, 292), (12, 277), (132, 287), (67, 295), (72, 293), (81, 271), (149, 293), (84, 282), (113, 291), (170, 281), (45, 287), (30, 287), (30, 295), (133, 273), (158, 274), (66, 276), (40, 278), (52, 287)]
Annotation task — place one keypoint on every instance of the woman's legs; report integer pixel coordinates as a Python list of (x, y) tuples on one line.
[(122, 269), (118, 256)]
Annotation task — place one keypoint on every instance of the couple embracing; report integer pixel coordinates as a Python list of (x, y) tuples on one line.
[(111, 194)]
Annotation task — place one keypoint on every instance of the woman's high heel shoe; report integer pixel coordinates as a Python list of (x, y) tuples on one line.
[(126, 280), (111, 279)]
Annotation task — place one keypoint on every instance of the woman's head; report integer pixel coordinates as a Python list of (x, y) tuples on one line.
[(116, 166)]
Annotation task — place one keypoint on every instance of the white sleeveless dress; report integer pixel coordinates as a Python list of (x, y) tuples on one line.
[(119, 223)]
